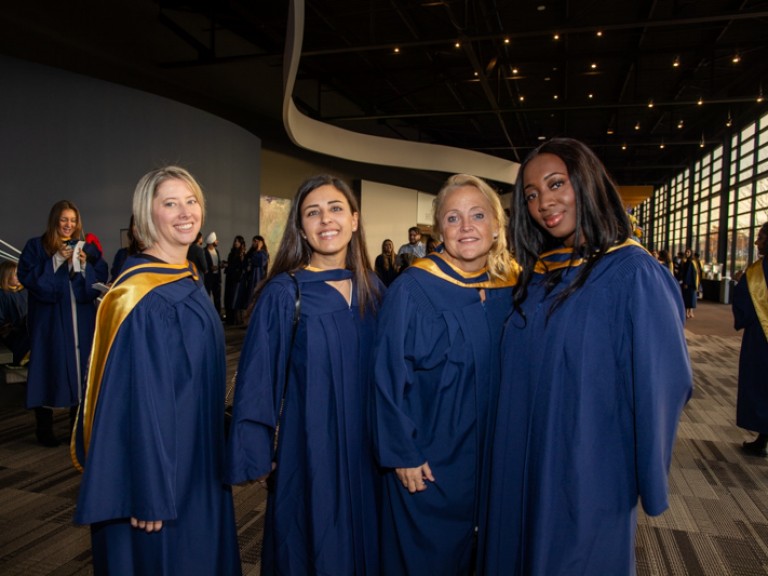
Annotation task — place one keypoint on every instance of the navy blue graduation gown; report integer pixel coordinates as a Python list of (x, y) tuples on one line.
[(156, 449), (752, 399), (590, 398), (436, 383), (322, 512), (53, 294), (689, 278)]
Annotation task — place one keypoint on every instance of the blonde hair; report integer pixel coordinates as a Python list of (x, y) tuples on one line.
[(499, 260), (145, 192)]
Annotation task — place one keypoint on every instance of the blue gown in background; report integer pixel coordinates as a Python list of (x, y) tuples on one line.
[(56, 378), (436, 386), (589, 404), (322, 512), (752, 400), (155, 449)]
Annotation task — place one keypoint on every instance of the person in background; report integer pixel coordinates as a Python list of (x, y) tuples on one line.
[(595, 375), (213, 265), (304, 369), (689, 282), (257, 262), (55, 270), (436, 374), (666, 261), (386, 263), (432, 245), (750, 313), (134, 247), (235, 297), (13, 313), (196, 255), (413, 250), (150, 434)]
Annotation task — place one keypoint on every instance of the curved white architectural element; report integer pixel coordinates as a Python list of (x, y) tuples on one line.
[(327, 139)]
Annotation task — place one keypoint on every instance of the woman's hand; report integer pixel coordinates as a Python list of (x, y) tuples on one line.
[(262, 480), (66, 251), (147, 525), (414, 479)]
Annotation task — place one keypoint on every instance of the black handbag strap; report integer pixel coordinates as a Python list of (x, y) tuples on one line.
[(296, 316)]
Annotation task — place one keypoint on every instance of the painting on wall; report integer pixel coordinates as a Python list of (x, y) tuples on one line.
[(273, 214)]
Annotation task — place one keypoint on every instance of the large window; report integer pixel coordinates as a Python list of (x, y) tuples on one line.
[(688, 210)]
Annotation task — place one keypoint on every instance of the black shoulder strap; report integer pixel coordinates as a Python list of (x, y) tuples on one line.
[(296, 317)]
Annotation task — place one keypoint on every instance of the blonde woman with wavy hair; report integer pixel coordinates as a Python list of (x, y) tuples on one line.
[(436, 375)]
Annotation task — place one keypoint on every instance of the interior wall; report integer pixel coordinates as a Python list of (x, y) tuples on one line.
[(66, 136), (387, 211)]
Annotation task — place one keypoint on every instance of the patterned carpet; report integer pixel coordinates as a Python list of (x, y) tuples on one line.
[(717, 523)]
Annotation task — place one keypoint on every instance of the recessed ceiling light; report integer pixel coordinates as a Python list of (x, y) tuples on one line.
[(556, 97), (397, 50), (599, 33), (458, 44), (556, 36), (515, 70), (590, 95), (593, 65), (506, 40)]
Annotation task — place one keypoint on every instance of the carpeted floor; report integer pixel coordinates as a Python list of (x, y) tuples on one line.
[(717, 523)]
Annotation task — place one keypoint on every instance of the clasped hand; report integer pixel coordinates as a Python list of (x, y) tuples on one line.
[(415, 479)]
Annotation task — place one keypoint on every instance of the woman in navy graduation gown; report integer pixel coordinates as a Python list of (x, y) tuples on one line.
[(750, 312), (61, 314), (322, 510), (594, 378), (150, 435), (436, 384), (689, 282)]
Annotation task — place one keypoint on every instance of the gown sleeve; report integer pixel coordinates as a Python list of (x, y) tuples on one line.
[(130, 469), (261, 376), (36, 273), (395, 432), (661, 379)]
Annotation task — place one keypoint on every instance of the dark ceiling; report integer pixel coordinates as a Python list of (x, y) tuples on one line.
[(496, 76)]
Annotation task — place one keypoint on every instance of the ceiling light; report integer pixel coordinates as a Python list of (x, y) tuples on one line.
[(702, 142), (515, 71), (700, 101), (637, 125), (542, 138), (556, 36), (736, 58), (397, 50), (590, 95), (522, 98), (547, 78), (680, 124), (729, 120), (506, 40), (662, 144), (676, 62), (623, 146), (593, 66), (556, 97), (599, 33), (541, 7), (609, 131), (476, 74), (458, 44), (650, 104), (760, 94)]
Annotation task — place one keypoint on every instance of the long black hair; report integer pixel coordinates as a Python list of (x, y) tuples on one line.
[(601, 219), (295, 252)]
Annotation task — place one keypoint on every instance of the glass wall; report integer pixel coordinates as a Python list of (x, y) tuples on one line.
[(688, 211)]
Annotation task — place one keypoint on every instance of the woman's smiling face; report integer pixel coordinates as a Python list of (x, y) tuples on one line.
[(550, 197), (327, 223)]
